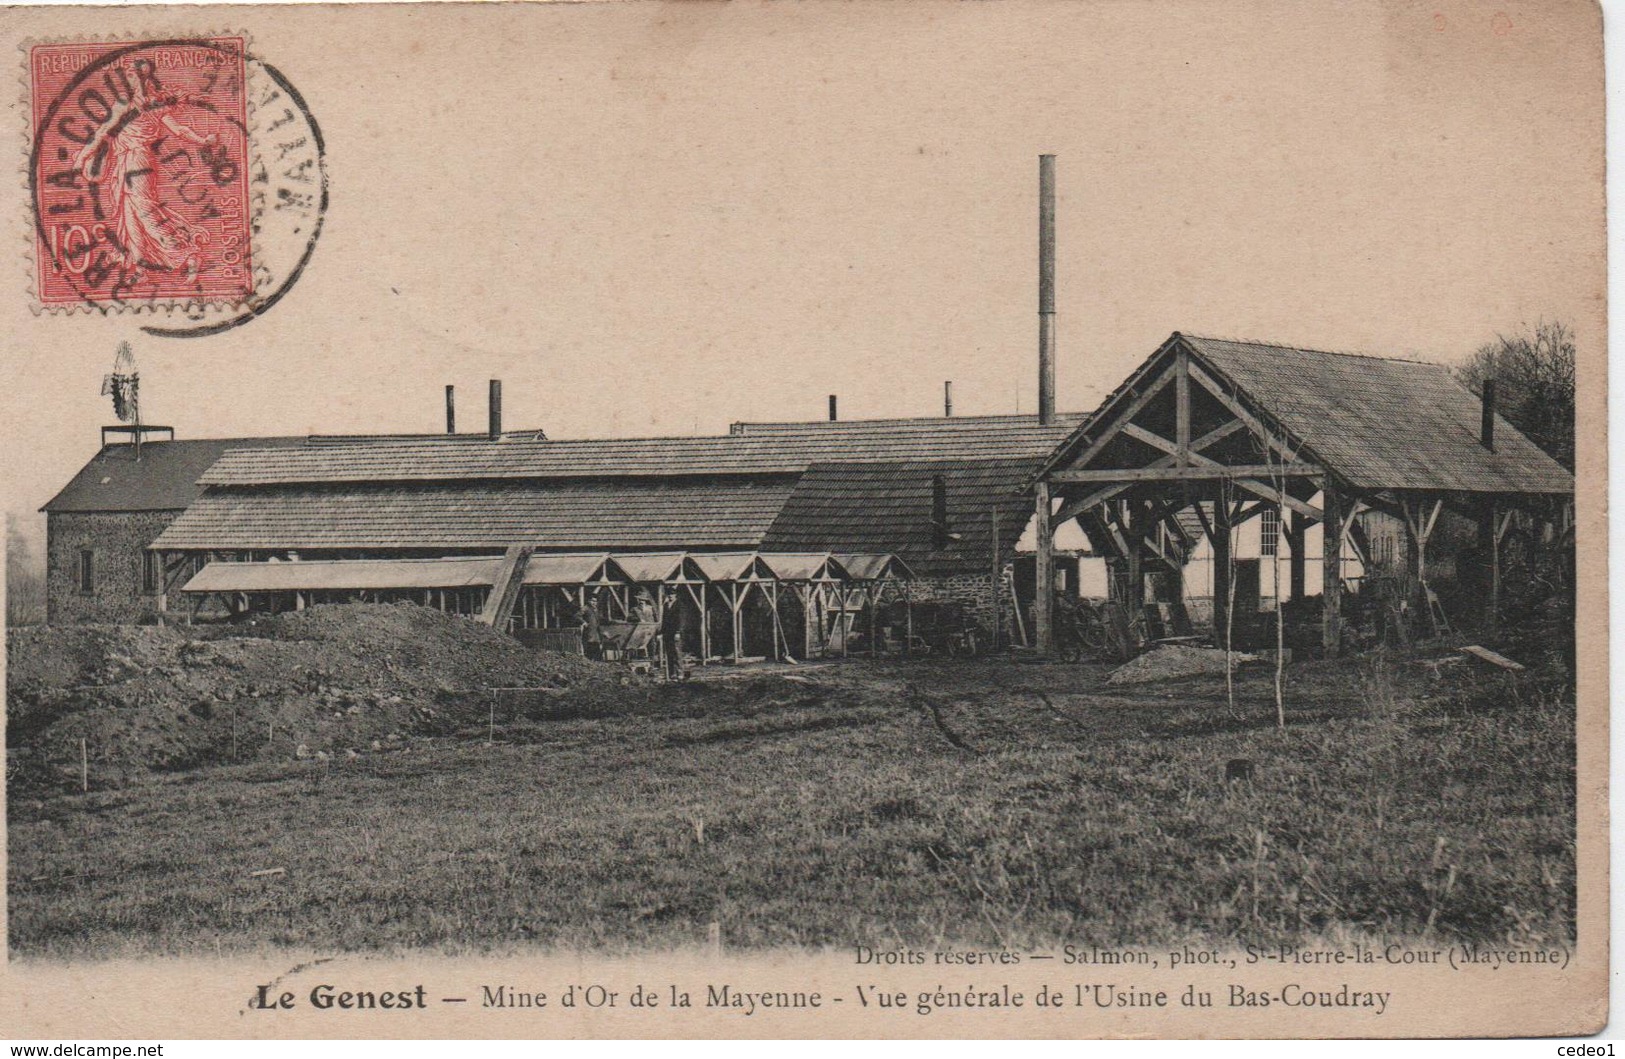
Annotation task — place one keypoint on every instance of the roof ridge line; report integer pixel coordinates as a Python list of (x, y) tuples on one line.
[(1309, 349)]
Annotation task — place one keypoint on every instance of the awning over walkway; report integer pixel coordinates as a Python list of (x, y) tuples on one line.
[(344, 575), (545, 569)]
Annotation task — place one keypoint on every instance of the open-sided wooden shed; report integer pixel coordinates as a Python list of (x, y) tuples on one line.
[(1224, 430)]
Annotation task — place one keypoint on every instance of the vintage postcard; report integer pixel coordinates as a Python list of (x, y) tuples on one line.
[(640, 519)]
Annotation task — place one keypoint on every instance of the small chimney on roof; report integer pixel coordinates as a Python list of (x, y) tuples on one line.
[(1046, 288), (496, 409), (1486, 428), (948, 398), (451, 409), (832, 415), (939, 513)]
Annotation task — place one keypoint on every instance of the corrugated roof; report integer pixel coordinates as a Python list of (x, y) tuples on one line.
[(888, 508), (163, 479), (631, 514), (786, 451), (1383, 424), (371, 574)]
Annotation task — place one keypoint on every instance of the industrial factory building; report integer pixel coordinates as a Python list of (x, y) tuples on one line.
[(1219, 481), (938, 502)]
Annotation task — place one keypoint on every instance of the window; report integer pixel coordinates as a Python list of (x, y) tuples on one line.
[(87, 571), (1270, 532), (151, 569)]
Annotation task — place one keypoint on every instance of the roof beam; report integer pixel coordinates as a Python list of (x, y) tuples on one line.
[(1235, 408), (1206, 470), (1283, 498), (1135, 406)]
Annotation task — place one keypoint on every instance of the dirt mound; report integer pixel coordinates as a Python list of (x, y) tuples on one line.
[(354, 678), (1172, 661)]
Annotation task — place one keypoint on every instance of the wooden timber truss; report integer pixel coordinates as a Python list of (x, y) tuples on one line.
[(1179, 454)]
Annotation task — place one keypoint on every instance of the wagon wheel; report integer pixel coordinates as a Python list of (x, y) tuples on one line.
[(1091, 631)]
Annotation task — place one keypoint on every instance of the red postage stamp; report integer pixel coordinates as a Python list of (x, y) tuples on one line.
[(139, 170)]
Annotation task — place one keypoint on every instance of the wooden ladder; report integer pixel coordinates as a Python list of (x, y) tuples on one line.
[(1436, 615), (505, 589)]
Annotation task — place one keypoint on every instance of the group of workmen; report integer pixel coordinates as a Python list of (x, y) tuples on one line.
[(590, 620)]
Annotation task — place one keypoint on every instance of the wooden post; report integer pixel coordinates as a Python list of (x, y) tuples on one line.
[(1222, 563), (1331, 552), (908, 620), (1489, 542), (1182, 408), (1134, 532), (1044, 581), (737, 624), (870, 603), (993, 585), (1296, 539), (773, 606), (84, 766), (705, 623)]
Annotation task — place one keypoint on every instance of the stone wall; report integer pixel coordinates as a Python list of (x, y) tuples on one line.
[(117, 543), (974, 592)]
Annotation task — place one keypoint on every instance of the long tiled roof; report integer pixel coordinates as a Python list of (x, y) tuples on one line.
[(783, 450), (624, 514), (882, 427), (887, 507), (163, 479), (1383, 424)]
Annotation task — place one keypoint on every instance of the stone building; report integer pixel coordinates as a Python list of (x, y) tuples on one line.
[(98, 528)]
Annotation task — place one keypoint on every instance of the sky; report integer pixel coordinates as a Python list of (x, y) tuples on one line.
[(656, 219)]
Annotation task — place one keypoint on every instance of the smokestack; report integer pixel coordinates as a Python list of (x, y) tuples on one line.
[(948, 399), (1046, 288), (1486, 429), (496, 409), (832, 415), (451, 409)]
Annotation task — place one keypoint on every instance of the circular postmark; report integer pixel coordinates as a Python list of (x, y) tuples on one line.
[(181, 175)]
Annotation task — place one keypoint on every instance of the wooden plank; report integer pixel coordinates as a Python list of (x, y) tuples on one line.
[(510, 579), (1484, 654)]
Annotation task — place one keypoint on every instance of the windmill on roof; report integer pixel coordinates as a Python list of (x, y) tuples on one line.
[(123, 385)]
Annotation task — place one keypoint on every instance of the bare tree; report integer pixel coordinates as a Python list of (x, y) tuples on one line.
[(1534, 384), (25, 577)]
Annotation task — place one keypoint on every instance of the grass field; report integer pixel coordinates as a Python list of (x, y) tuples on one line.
[(986, 802)]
